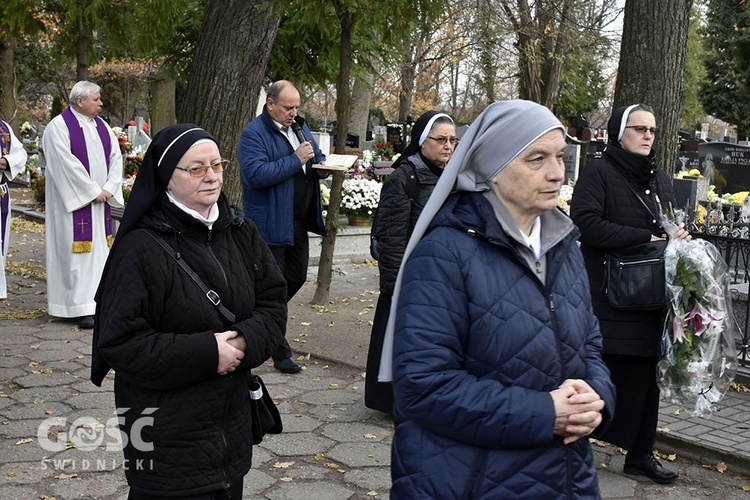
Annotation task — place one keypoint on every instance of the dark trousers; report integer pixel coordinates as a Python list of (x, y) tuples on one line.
[(233, 493), (378, 395), (293, 261), (637, 408)]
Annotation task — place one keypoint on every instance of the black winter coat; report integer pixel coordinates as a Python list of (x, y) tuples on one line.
[(397, 215), (157, 332), (610, 216)]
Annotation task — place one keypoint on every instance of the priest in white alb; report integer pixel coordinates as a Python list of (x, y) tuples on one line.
[(83, 180), (12, 163)]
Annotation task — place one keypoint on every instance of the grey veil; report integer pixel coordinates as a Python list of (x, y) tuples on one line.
[(499, 134)]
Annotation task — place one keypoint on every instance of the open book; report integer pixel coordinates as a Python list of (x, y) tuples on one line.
[(337, 162)]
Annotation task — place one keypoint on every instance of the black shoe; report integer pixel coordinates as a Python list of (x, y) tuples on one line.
[(287, 365), (86, 322), (647, 465)]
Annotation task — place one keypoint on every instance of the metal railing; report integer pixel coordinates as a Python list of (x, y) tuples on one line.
[(729, 230)]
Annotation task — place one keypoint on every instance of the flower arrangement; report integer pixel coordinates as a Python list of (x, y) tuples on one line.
[(325, 195), (132, 159), (383, 150), (360, 196), (693, 172), (563, 199), (737, 198), (699, 359)]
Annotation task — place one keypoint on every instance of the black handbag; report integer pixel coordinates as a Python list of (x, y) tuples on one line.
[(635, 277), (265, 416)]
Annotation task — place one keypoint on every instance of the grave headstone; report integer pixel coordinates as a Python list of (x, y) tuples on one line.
[(730, 164), (572, 160)]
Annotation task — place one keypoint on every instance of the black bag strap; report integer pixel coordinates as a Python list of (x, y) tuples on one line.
[(658, 202), (412, 182), (211, 295)]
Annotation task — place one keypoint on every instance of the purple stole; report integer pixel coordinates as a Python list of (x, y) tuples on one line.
[(83, 232), (4, 198)]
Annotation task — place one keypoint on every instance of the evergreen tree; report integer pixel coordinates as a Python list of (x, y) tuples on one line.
[(726, 93)]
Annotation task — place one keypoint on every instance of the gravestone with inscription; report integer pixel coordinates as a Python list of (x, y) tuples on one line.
[(730, 164)]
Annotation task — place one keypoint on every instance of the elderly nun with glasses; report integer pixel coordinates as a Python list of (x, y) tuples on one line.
[(404, 195), (616, 204), (181, 360), (496, 366)]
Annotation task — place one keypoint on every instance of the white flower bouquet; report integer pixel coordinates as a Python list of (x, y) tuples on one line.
[(699, 358), (360, 197)]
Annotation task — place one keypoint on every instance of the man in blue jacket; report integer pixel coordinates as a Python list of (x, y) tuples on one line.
[(281, 190)]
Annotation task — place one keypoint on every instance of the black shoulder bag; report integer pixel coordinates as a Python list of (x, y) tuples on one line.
[(266, 418), (634, 277)]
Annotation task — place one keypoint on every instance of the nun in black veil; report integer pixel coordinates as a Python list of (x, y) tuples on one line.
[(404, 194), (179, 361)]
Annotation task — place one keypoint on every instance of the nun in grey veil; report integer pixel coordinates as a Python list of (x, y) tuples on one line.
[(492, 345)]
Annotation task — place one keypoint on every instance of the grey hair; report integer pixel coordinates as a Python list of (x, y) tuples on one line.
[(642, 107), (441, 120), (82, 89)]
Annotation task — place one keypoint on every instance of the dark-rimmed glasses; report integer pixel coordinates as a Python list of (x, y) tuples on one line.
[(443, 140), (641, 129), (202, 170)]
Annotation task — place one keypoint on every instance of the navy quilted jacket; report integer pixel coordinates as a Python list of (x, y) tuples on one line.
[(157, 332), (480, 343)]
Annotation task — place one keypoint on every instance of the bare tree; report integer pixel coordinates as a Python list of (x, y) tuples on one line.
[(652, 64), (222, 93)]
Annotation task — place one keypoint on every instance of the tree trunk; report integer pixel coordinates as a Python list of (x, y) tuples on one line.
[(652, 63), (82, 51), (555, 48), (406, 89), (227, 73), (361, 100), (162, 104), (343, 99), (8, 80)]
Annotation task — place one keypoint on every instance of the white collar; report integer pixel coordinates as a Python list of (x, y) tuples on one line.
[(212, 216), (80, 116), (534, 240)]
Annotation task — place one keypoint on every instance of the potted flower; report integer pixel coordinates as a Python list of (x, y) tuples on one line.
[(383, 150), (359, 200)]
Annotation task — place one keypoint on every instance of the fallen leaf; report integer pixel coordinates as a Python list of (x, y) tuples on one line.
[(372, 493), (721, 467), (320, 456), (331, 465), (305, 323), (370, 436), (286, 479), (66, 476), (746, 488), (282, 465), (25, 441)]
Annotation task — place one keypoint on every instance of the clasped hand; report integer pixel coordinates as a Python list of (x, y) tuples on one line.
[(232, 348), (577, 410)]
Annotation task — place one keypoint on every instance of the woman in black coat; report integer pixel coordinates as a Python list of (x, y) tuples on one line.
[(616, 204), (182, 365), (404, 194)]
